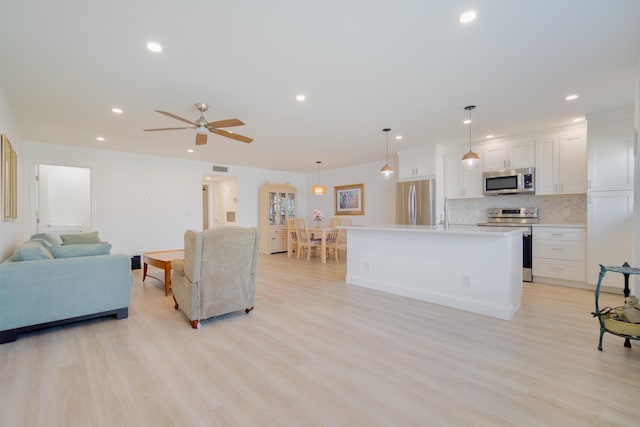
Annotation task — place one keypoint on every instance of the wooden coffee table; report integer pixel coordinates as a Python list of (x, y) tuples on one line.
[(161, 259)]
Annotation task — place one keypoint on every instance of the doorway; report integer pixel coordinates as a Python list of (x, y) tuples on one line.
[(63, 199), (219, 200)]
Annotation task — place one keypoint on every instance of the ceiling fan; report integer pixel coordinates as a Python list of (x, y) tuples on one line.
[(202, 127)]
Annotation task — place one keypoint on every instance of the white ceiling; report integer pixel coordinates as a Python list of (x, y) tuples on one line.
[(363, 64)]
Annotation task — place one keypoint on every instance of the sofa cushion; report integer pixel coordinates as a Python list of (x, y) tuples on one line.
[(80, 238), (31, 250), (47, 237), (70, 251)]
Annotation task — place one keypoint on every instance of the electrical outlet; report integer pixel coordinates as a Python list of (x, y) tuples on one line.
[(466, 280)]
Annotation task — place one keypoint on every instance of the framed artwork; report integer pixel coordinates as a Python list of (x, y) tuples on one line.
[(9, 167), (349, 199)]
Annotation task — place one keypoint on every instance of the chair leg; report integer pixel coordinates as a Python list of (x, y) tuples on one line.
[(248, 310), (195, 324), (176, 303)]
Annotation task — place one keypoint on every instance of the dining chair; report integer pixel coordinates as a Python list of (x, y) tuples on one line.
[(292, 237), (304, 239), (338, 240)]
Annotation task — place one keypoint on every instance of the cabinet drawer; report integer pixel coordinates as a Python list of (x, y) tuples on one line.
[(568, 250), (561, 234), (559, 269)]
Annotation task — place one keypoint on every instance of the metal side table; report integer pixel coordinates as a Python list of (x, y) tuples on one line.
[(629, 331)]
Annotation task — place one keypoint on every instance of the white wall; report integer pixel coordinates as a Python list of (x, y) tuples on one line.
[(11, 232), (379, 194), (144, 203), (636, 184)]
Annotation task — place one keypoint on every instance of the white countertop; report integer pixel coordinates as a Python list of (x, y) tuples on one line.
[(465, 229), (561, 225)]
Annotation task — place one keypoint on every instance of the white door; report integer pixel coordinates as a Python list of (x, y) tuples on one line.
[(63, 199), (609, 233)]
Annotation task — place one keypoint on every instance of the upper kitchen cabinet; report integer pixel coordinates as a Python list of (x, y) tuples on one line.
[(417, 163), (561, 163), (460, 182), (610, 151), (513, 154)]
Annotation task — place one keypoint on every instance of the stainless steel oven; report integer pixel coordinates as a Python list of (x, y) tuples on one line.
[(517, 217)]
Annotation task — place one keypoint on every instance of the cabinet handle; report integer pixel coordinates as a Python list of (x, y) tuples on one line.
[(557, 268), (557, 249), (557, 234)]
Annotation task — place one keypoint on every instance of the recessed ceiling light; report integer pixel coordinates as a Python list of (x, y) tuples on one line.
[(154, 47), (467, 17), (578, 119), (398, 137), (208, 178), (489, 136), (301, 97), (190, 150), (100, 138), (117, 110), (466, 122), (572, 97)]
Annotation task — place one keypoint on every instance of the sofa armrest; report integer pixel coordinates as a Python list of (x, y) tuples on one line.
[(34, 292)]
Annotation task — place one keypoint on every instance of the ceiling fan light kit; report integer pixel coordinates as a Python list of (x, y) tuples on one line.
[(202, 127), (470, 160)]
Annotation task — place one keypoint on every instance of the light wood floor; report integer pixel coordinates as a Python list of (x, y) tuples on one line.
[(318, 352)]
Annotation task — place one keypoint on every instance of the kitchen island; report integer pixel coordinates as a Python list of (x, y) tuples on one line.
[(477, 269)]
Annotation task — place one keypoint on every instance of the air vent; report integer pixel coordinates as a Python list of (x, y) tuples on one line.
[(220, 169)]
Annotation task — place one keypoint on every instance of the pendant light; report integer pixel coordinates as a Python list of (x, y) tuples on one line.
[(470, 160), (318, 189), (387, 171)]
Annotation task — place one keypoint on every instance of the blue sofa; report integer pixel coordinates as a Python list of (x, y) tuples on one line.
[(41, 291)]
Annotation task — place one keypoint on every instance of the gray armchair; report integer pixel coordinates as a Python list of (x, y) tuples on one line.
[(218, 273)]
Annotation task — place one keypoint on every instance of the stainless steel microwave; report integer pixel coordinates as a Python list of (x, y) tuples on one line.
[(509, 181)]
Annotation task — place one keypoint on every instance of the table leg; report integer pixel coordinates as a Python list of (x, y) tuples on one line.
[(323, 255), (167, 278), (144, 271)]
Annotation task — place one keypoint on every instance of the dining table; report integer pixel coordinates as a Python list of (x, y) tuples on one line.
[(322, 233)]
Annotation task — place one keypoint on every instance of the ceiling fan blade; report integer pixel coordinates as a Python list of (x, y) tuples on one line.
[(201, 138), (225, 123), (149, 130), (176, 117), (232, 135)]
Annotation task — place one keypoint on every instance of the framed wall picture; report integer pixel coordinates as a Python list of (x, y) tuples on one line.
[(9, 168), (349, 199)]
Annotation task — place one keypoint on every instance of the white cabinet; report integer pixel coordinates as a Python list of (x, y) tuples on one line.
[(417, 163), (508, 155), (460, 182), (559, 253), (561, 163), (278, 202), (610, 154), (609, 233)]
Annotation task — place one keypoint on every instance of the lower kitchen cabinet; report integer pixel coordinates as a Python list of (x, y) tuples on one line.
[(559, 253)]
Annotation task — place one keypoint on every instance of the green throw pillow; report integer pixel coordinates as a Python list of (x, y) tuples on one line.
[(80, 238), (89, 249), (30, 251), (48, 237)]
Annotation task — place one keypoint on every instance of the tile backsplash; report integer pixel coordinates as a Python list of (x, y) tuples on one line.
[(562, 209)]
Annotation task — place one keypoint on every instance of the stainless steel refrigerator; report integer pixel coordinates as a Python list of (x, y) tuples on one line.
[(415, 202)]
